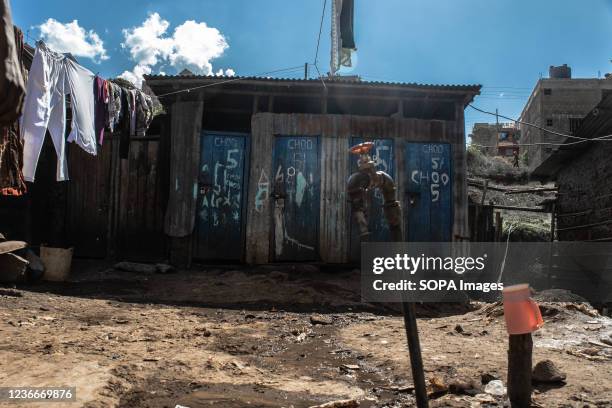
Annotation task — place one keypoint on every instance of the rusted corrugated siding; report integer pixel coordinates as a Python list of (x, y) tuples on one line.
[(334, 132)]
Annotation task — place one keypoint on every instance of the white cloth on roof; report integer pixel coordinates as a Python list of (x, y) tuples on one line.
[(51, 77)]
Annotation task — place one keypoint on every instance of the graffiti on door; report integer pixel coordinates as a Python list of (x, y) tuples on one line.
[(221, 185), (296, 194), (429, 191)]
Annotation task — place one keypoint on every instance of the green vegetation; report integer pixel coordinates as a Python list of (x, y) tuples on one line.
[(494, 168)]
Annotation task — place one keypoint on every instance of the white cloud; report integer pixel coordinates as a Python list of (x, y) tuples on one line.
[(192, 45), (230, 72), (135, 75), (145, 43), (73, 38)]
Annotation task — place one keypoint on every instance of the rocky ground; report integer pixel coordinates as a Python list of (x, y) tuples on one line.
[(274, 337)]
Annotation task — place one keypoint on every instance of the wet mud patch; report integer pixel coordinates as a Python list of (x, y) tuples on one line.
[(156, 393)]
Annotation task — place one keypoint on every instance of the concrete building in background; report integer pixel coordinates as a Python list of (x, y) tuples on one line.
[(558, 103), (496, 139)]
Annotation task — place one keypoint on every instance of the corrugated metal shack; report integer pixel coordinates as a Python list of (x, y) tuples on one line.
[(583, 173), (254, 170), (263, 163)]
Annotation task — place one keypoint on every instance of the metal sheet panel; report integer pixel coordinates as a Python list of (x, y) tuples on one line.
[(296, 194), (384, 156), (428, 190), (221, 180)]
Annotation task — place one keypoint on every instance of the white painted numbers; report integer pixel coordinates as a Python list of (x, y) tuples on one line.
[(436, 176)]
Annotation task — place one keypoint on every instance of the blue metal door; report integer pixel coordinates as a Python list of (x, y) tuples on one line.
[(296, 198), (383, 155), (429, 192), (222, 180)]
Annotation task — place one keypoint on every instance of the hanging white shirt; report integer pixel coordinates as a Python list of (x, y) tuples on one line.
[(79, 83)]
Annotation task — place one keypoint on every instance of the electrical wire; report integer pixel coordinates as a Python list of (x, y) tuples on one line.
[(289, 69), (529, 124), (607, 138), (316, 59)]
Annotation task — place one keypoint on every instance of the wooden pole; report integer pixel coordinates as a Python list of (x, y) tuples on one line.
[(498, 227), (416, 361), (519, 370), (484, 192)]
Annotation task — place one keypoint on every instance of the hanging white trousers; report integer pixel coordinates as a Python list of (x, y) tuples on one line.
[(44, 108), (51, 77)]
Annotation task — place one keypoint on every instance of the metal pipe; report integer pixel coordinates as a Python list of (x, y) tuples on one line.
[(358, 185)]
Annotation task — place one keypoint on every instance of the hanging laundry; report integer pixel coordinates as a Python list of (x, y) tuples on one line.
[(127, 114), (132, 104), (343, 39), (44, 109), (12, 86), (52, 77), (114, 105), (12, 182), (79, 82), (101, 98), (144, 113)]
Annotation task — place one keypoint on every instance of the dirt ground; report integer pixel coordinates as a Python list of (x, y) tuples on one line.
[(273, 337)]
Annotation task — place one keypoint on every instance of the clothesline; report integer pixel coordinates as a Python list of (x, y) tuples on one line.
[(97, 105)]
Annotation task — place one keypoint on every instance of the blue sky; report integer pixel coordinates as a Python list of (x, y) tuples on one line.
[(505, 45)]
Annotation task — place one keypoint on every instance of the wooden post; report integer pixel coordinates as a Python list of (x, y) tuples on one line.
[(271, 103), (551, 246), (498, 227), (519, 370), (484, 192), (416, 360)]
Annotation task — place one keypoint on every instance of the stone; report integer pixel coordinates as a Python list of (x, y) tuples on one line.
[(486, 378), (321, 319), (464, 387), (12, 268), (279, 276), (546, 371), (352, 403), (496, 388), (164, 268), (135, 267)]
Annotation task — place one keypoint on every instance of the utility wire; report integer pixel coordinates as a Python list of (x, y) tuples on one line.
[(607, 138), (529, 124), (316, 59), (289, 69)]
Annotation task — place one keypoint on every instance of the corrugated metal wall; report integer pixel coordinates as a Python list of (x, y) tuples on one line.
[(334, 132)]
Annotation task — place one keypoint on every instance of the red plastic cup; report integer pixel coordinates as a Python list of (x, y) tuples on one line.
[(522, 313)]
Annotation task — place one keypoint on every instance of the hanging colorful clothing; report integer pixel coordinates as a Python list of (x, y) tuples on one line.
[(100, 91), (12, 182), (114, 105), (12, 86)]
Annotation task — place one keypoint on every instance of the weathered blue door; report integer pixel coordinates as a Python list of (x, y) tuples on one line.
[(296, 198), (429, 192), (222, 180), (383, 155)]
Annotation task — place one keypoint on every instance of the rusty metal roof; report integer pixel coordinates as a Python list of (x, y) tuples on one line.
[(473, 88)]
